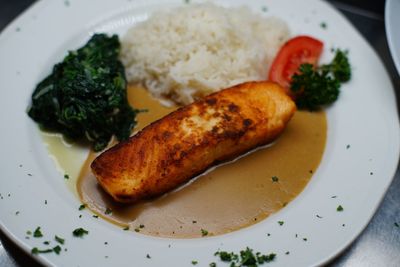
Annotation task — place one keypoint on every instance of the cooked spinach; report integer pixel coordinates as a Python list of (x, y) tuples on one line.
[(85, 95)]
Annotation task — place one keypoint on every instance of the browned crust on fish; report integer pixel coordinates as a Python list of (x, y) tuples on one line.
[(188, 141)]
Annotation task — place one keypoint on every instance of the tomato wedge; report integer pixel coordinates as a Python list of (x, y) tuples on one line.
[(298, 50)]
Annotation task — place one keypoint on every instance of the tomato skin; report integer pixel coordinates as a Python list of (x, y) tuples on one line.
[(298, 50)]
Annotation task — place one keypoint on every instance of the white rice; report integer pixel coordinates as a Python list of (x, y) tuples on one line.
[(191, 51)]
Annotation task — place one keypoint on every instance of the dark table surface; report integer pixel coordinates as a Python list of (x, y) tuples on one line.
[(379, 243)]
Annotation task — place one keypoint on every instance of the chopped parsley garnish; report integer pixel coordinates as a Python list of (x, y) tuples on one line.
[(339, 208), (348, 146), (35, 250), (141, 226), (126, 228), (304, 239), (95, 216), (320, 217), (148, 256), (244, 258), (37, 233), (204, 232), (59, 239), (80, 232), (323, 25), (275, 179), (396, 224), (46, 242), (81, 207), (56, 249), (287, 252), (66, 176), (213, 264), (108, 211), (314, 87), (194, 262), (281, 223)]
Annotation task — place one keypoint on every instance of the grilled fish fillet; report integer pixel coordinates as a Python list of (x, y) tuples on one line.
[(191, 139)]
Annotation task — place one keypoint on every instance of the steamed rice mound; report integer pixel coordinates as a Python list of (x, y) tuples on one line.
[(189, 52)]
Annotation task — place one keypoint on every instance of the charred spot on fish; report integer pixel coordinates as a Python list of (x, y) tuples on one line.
[(214, 129), (247, 122), (166, 135), (211, 101), (233, 134), (233, 108), (227, 117)]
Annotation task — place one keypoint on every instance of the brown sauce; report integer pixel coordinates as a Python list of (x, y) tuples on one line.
[(226, 198)]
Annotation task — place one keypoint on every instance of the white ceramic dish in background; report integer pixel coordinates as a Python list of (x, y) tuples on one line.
[(358, 165), (392, 24)]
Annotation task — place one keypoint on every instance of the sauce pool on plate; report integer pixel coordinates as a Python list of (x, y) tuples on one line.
[(226, 198)]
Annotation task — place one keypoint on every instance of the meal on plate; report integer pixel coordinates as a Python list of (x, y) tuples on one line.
[(194, 86)]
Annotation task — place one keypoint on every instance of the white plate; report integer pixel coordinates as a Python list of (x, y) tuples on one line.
[(392, 23), (364, 117)]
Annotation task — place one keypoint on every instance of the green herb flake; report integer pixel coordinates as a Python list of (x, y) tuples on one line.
[(396, 224), (95, 216), (318, 216), (212, 264), (108, 211), (126, 228), (46, 242), (17, 212), (57, 249), (82, 207), (204, 232), (194, 262), (274, 179), (18, 29), (59, 239), (264, 9), (36, 250), (339, 208), (287, 252), (141, 226), (281, 223), (80, 232), (28, 232), (323, 25), (66, 176), (305, 239), (148, 256), (348, 146), (194, 221), (37, 233)]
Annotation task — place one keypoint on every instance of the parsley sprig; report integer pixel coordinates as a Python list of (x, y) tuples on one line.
[(314, 87)]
